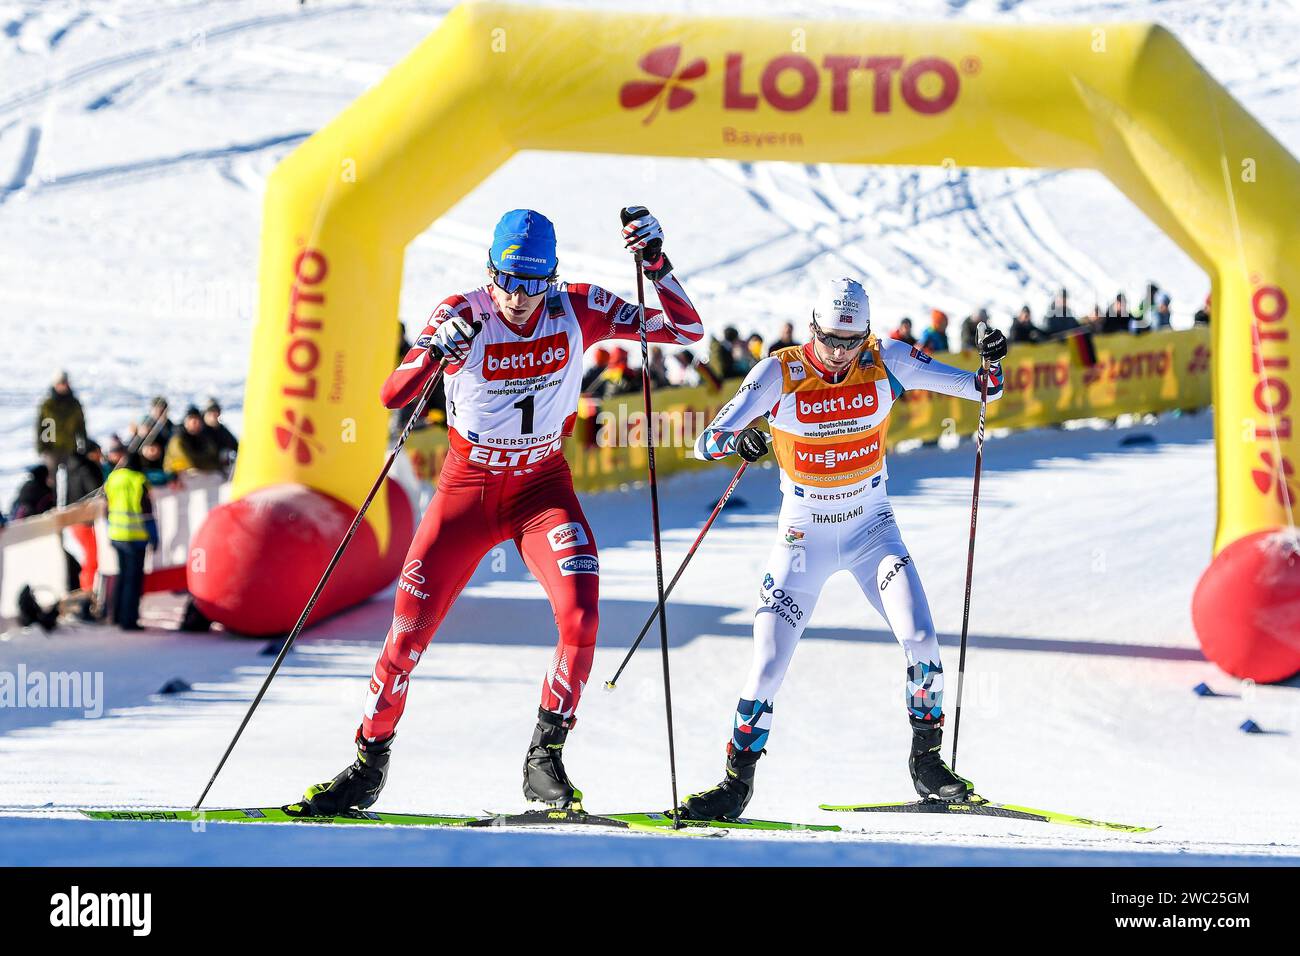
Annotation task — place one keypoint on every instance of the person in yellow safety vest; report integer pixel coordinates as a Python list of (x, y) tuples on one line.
[(131, 530)]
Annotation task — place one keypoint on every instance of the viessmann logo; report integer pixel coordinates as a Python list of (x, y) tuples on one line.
[(503, 360), (792, 82), (844, 456)]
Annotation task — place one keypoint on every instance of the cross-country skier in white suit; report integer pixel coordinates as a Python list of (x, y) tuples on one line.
[(828, 404)]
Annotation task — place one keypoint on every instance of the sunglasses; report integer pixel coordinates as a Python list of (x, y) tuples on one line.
[(528, 285), (846, 342)]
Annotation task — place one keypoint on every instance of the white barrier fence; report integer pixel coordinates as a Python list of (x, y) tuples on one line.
[(32, 551)]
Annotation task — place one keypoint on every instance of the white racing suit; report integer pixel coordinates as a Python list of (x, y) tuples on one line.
[(829, 440)]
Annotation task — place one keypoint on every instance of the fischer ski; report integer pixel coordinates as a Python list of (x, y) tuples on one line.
[(978, 806), (277, 815), (664, 821), (638, 822), (293, 814)]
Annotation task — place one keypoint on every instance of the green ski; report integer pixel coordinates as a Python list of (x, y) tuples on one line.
[(664, 821), (978, 806), (278, 815), (638, 822), (293, 814)]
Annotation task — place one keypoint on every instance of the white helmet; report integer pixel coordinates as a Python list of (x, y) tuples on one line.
[(842, 308)]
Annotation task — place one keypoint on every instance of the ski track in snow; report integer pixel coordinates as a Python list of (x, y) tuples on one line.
[(1078, 695), (135, 140)]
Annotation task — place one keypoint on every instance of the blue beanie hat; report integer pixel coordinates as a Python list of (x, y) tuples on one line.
[(524, 244)]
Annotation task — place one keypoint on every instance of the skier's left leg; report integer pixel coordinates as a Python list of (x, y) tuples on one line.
[(557, 544), (804, 555), (887, 574)]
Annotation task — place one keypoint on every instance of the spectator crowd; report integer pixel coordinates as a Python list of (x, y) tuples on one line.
[(150, 452), (200, 442), (733, 355)]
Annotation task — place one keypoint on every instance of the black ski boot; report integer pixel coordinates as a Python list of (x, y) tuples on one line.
[(930, 775), (726, 801), (357, 787), (544, 778)]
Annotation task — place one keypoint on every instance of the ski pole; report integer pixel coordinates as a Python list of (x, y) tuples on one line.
[(627, 215), (613, 681), (329, 569), (970, 557)]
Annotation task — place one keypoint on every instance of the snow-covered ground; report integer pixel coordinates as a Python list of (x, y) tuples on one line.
[(136, 137), (1079, 691), (135, 141)]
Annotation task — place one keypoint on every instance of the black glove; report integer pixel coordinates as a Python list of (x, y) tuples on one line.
[(992, 345), (643, 234), (751, 444)]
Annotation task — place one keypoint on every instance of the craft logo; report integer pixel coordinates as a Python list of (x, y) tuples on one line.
[(512, 360), (298, 435), (568, 535), (899, 564), (835, 404), (411, 576), (579, 564), (843, 456), (792, 82)]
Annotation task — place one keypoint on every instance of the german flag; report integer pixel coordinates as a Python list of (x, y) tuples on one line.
[(1081, 345)]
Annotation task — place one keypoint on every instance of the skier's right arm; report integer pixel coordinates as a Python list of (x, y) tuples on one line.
[(757, 397), (410, 377)]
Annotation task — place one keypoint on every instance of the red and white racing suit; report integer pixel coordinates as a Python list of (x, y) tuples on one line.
[(509, 405)]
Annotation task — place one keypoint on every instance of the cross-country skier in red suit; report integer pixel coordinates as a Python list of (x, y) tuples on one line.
[(515, 350)]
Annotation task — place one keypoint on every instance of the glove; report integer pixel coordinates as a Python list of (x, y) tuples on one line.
[(454, 339), (992, 345), (642, 233), (751, 444)]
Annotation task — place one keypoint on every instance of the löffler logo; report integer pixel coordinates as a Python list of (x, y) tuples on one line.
[(791, 82), (411, 576)]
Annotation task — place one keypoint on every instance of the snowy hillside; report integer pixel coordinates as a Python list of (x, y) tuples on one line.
[(136, 137)]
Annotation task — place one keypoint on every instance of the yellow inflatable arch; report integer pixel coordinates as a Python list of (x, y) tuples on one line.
[(1125, 99)]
